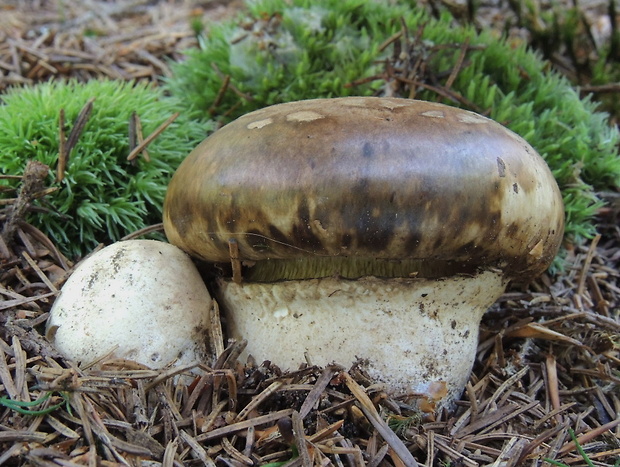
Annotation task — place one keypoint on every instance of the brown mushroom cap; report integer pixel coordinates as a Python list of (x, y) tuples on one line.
[(364, 177)]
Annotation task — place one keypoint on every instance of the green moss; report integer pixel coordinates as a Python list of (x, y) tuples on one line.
[(103, 196), (289, 50), (281, 52), (606, 70)]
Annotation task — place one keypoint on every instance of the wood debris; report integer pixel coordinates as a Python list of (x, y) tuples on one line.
[(132, 40)]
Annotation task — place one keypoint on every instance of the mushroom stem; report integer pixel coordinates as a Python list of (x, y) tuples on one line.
[(407, 333)]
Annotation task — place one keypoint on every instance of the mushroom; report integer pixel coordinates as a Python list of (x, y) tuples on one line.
[(374, 231), (141, 300)]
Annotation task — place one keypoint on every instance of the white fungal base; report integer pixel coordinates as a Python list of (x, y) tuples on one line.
[(410, 333), (140, 300)]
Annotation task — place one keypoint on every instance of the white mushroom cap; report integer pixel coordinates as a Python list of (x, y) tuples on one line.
[(322, 195), (141, 300)]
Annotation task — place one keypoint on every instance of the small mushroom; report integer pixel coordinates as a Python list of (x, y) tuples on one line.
[(369, 230), (141, 300)]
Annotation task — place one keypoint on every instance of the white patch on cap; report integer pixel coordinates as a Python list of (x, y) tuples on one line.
[(468, 117), (354, 102), (393, 104), (304, 116), (259, 124), (434, 114)]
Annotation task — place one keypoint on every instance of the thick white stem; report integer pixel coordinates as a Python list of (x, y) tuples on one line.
[(410, 333)]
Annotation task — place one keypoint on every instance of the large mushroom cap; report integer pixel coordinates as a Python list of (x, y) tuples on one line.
[(369, 178)]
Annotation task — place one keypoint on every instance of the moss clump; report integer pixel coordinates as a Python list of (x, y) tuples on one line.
[(103, 196), (289, 50), (285, 51)]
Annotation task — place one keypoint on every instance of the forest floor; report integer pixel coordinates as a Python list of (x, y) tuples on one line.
[(547, 366)]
